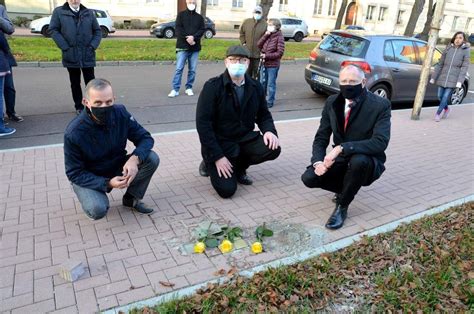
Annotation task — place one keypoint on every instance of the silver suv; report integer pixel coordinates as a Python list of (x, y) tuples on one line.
[(392, 65), (293, 28)]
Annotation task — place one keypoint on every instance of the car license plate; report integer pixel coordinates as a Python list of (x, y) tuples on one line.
[(321, 79)]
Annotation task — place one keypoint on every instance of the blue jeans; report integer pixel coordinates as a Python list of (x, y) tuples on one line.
[(181, 58), (9, 94), (268, 79), (96, 203), (443, 95)]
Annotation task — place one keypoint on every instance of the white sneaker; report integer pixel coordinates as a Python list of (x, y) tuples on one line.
[(173, 94), (189, 92)]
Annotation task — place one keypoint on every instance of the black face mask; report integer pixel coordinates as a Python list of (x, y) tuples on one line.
[(351, 91), (101, 114)]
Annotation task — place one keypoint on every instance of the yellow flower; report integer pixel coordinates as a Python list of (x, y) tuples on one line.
[(226, 246), (199, 247), (257, 247)]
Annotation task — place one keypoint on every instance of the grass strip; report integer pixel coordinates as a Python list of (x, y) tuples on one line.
[(44, 49), (424, 265)]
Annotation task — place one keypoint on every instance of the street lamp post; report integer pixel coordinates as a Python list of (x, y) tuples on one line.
[(425, 71)]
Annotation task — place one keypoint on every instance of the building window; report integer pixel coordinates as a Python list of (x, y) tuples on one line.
[(332, 7), (318, 7), (468, 22), (283, 5), (370, 12), (382, 12), (455, 22), (237, 3), (400, 17), (212, 3)]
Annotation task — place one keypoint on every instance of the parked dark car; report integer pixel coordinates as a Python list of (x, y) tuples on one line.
[(168, 29), (348, 27), (392, 65), (471, 39)]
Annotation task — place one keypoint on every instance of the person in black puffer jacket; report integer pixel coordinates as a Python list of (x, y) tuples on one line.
[(75, 30), (189, 30), (4, 71)]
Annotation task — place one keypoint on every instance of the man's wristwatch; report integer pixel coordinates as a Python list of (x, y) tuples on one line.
[(317, 163)]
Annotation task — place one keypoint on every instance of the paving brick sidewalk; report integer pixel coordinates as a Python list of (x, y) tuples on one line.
[(127, 255)]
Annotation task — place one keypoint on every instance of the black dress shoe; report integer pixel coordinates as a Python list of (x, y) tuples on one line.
[(203, 169), (336, 197), (15, 118), (337, 218), (244, 179), (137, 205)]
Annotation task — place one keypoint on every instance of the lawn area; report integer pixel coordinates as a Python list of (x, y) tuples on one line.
[(426, 265), (44, 49)]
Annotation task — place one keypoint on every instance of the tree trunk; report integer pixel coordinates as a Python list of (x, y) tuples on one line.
[(266, 6), (415, 14), (340, 15), (204, 8), (429, 19)]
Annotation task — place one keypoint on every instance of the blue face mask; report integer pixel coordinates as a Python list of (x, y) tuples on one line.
[(237, 69), (257, 16)]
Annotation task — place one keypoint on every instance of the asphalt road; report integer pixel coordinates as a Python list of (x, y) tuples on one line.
[(44, 99)]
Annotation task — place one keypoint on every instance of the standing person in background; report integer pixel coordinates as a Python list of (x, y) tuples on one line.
[(251, 31), (451, 72), (7, 27), (4, 70), (75, 30), (189, 30), (272, 45)]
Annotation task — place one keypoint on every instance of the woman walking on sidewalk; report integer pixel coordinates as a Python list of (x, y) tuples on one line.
[(451, 71), (4, 71), (272, 46)]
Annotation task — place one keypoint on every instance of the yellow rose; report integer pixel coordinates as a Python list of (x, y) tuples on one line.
[(199, 247), (257, 247), (226, 246)]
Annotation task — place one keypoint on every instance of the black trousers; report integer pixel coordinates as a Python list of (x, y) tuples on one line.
[(251, 153), (346, 177), (75, 79), (253, 67)]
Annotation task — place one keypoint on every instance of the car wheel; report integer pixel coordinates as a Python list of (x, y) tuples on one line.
[(105, 31), (169, 33), (381, 90), (318, 91), (298, 37), (287, 38), (45, 31), (208, 34), (458, 95)]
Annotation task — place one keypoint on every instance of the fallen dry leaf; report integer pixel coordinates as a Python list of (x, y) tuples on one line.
[(167, 284)]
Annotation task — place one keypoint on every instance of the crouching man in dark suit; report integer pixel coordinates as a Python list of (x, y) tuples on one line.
[(360, 124)]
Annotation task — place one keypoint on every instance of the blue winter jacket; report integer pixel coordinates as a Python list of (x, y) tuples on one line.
[(93, 153)]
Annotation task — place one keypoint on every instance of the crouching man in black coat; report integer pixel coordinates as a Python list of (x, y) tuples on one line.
[(95, 154), (228, 108), (360, 124)]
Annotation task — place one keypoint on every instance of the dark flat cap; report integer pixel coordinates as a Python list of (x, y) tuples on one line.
[(238, 50)]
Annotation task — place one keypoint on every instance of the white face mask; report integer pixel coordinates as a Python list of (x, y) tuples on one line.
[(257, 16), (237, 69), (191, 6), (271, 28)]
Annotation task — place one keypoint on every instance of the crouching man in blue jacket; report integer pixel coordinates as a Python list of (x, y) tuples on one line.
[(95, 153)]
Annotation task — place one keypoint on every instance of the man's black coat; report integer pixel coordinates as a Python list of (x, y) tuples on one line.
[(368, 129), (189, 23), (223, 123)]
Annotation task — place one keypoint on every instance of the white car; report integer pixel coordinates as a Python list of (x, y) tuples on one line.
[(40, 26)]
